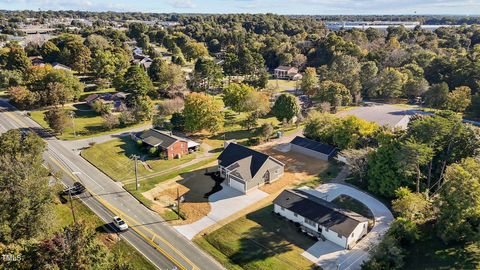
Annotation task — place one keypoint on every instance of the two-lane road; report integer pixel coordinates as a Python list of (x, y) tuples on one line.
[(180, 251)]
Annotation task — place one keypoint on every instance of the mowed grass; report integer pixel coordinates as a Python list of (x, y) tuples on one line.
[(431, 253), (260, 240), (282, 85), (63, 218), (113, 158), (233, 130), (353, 205), (87, 122)]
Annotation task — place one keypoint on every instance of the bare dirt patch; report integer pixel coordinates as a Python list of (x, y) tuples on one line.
[(298, 169), (192, 186)]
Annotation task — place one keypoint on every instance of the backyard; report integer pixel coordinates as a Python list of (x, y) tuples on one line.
[(282, 85), (113, 158), (88, 123), (259, 240)]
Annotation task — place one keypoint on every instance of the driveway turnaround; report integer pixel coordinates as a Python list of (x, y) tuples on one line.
[(223, 204), (383, 114), (330, 256)]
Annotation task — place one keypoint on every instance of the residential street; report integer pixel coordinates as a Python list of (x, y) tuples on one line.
[(110, 195)]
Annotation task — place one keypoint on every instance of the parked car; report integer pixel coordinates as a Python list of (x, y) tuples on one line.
[(120, 224)]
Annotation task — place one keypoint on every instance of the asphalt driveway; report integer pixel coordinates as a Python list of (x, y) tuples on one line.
[(330, 256), (383, 114)]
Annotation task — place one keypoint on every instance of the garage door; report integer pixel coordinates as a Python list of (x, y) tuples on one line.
[(237, 185)]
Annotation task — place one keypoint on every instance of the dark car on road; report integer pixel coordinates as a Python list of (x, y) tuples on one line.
[(76, 189)]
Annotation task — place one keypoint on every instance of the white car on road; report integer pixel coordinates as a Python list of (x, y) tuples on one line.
[(120, 224)]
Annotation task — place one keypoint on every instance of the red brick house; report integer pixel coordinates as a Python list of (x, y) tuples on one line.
[(169, 145)]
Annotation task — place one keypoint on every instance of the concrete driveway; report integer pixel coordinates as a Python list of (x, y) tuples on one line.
[(224, 203), (330, 256)]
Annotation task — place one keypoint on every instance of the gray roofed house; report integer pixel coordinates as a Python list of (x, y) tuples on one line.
[(321, 218), (313, 148), (245, 168), (57, 65)]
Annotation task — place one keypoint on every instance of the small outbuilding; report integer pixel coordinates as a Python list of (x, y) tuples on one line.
[(313, 148)]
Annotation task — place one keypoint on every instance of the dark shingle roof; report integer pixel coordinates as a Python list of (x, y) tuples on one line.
[(235, 152), (314, 145), (156, 138), (321, 211)]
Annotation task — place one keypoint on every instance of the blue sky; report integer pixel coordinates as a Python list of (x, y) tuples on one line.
[(462, 7)]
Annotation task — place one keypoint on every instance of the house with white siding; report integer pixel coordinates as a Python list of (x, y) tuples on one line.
[(245, 169), (320, 218)]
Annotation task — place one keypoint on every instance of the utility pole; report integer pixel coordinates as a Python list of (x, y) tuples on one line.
[(135, 157), (72, 115), (178, 203), (71, 205)]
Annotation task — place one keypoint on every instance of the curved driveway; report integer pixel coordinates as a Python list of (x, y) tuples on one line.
[(330, 256)]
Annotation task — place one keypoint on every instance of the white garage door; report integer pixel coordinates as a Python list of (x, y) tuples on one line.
[(237, 185)]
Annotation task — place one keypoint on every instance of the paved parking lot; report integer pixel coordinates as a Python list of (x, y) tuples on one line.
[(330, 256), (383, 114)]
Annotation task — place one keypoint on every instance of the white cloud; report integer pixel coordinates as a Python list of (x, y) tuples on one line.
[(182, 3)]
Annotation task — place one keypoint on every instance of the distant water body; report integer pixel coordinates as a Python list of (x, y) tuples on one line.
[(340, 25)]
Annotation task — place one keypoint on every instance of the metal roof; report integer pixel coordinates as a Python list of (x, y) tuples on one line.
[(314, 145)]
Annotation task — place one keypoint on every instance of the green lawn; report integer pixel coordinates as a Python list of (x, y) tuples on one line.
[(282, 85), (86, 94), (260, 240), (233, 130), (431, 253), (113, 158), (353, 205), (63, 217), (324, 176), (88, 123)]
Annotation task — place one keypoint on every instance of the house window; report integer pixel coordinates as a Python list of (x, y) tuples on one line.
[(295, 215), (353, 234), (339, 236), (310, 222), (283, 209), (326, 229)]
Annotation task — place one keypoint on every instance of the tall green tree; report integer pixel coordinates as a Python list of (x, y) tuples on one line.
[(286, 107), (26, 199), (309, 82), (17, 59), (235, 96), (57, 119), (459, 99), (75, 247), (459, 202), (136, 82), (437, 96), (202, 112), (334, 93)]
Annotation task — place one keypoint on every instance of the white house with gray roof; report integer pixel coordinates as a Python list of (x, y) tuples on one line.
[(321, 218), (245, 169)]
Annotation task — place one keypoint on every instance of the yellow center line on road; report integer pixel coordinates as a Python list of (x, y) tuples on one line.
[(116, 210), (134, 223)]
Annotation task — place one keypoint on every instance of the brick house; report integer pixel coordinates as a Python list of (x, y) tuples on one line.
[(169, 145)]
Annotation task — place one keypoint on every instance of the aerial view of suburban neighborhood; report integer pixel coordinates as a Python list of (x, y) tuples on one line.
[(239, 134)]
